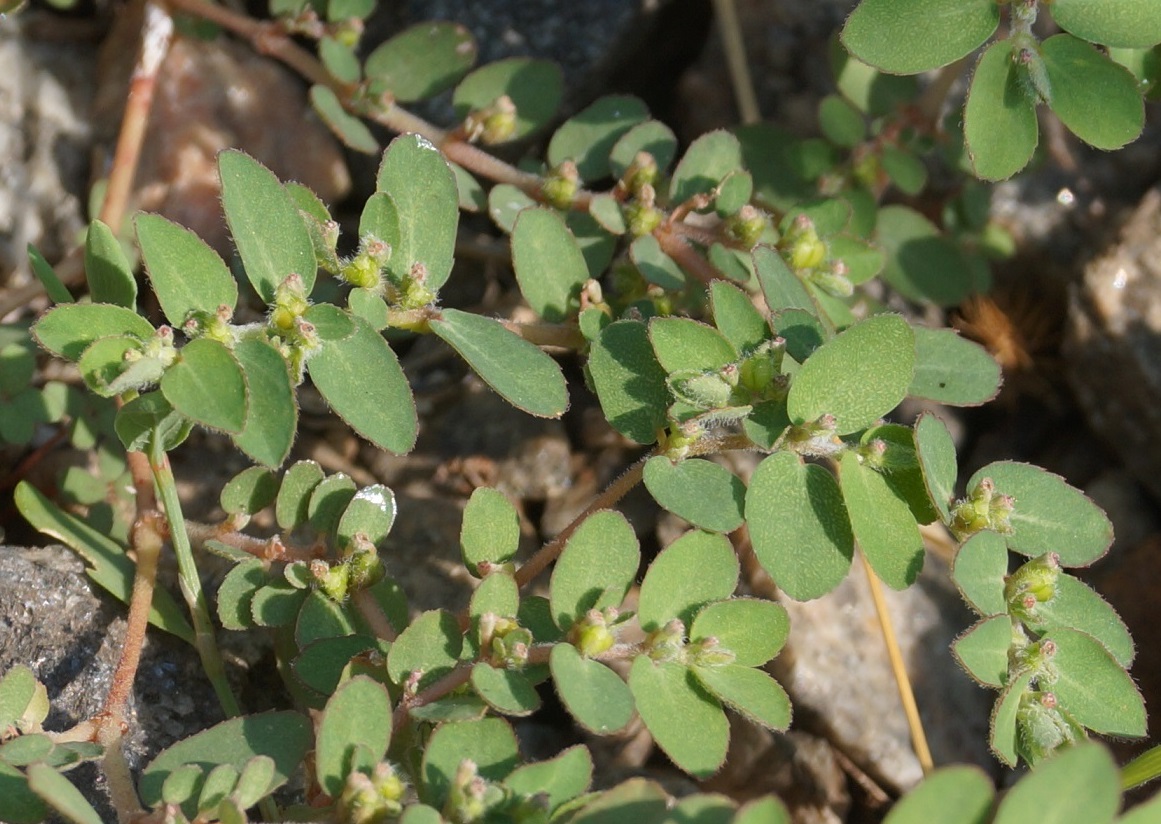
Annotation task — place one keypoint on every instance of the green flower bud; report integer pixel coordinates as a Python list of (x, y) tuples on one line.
[(592, 634), (747, 225), (561, 185), (642, 172), (803, 247), (1043, 727), (641, 215), (667, 643), (982, 509), (710, 653), (373, 799), (492, 124), (364, 567), (833, 281), (333, 581), (1032, 584)]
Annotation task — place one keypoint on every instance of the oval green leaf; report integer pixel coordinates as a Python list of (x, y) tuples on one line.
[(69, 329), (952, 370), (937, 32), (588, 136), (629, 381), (707, 161), (921, 263), (489, 743), (882, 523), (983, 650), (357, 716), (980, 569), (653, 137), (206, 384), (352, 131), (1077, 606), (371, 512), (593, 694), (683, 344), (595, 569), (1125, 23), (736, 317), (1080, 784), (937, 461), (702, 492), (951, 795), (186, 274), (999, 119), (535, 87), (508, 692), (1094, 687), (490, 530), (685, 720), (272, 414), (431, 643), (1003, 722), (752, 629), (1094, 97), (549, 265), (421, 61), (107, 270), (752, 693), (691, 572)]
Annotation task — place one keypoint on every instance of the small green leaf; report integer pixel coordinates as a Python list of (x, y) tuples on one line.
[(682, 344), (1094, 97), (507, 691), (691, 572), (983, 650), (685, 720), (236, 594), (858, 376), (737, 318), (1077, 606), (290, 510), (592, 693), (950, 795), (18, 689), (607, 211), (321, 664), (491, 529), (352, 131), (357, 715), (361, 379), (107, 270), (653, 137), (841, 122), (588, 136), (1003, 723), (370, 307), (702, 492), (517, 370), (371, 512), (268, 231), (952, 370), (535, 87), (328, 501), (60, 794), (938, 32), (1000, 116), (752, 629), (752, 693), (283, 736), (906, 171), (629, 381), (489, 743), (596, 568), (207, 384), (69, 329), (1124, 23), (276, 604), (548, 263), (980, 569), (56, 290), (321, 617), (707, 161), (497, 593), (339, 58), (431, 644), (882, 523), (900, 468), (1093, 687), (424, 190), (781, 287), (186, 274), (272, 413), (563, 777), (421, 61), (647, 802), (799, 525), (1049, 515), (654, 265), (250, 491), (148, 416), (505, 203), (1079, 784), (765, 810), (937, 460)]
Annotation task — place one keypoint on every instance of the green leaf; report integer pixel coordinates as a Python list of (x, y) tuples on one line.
[(371, 512), (1003, 723), (952, 370), (339, 58), (357, 716), (802, 331), (60, 794), (148, 416), (683, 344), (752, 629), (250, 491), (607, 211), (283, 736), (424, 189), (736, 317), (938, 32), (505, 203), (588, 136), (685, 720), (781, 287), (272, 412), (595, 569), (352, 131), (1093, 687), (901, 470), (108, 564), (489, 743), (207, 384), (277, 604), (431, 643), (983, 650), (236, 594), (507, 691), (497, 593), (707, 161), (937, 461), (186, 274), (548, 263), (653, 137), (18, 689), (320, 617), (517, 370), (799, 526), (882, 523), (268, 231), (593, 694), (369, 306), (490, 530), (629, 381), (906, 171), (421, 61), (858, 376), (656, 266), (863, 261), (702, 492), (361, 379), (980, 569), (69, 329), (752, 693), (57, 292), (765, 810), (534, 86), (1124, 23), (691, 572), (107, 370), (1094, 97), (321, 664), (1077, 606), (563, 777), (328, 501), (1000, 116), (1049, 515), (1079, 784), (290, 510), (644, 800), (107, 270), (841, 122), (950, 795), (921, 263)]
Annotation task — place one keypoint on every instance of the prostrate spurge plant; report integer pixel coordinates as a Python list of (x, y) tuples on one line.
[(657, 281)]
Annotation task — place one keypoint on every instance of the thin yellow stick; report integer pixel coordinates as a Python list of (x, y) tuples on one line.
[(727, 17), (906, 695)]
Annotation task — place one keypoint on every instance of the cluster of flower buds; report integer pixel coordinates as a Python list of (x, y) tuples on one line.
[(561, 185), (1031, 585), (1042, 726), (982, 509), (365, 268), (595, 633), (295, 336), (372, 799), (215, 325), (507, 642), (492, 124)]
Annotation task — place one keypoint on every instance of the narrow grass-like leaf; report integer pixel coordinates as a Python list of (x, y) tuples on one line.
[(268, 231), (1094, 97), (980, 569), (69, 329), (1079, 784), (691, 572), (799, 526), (702, 492), (357, 715), (1133, 24), (517, 370), (950, 795), (272, 413), (421, 61), (752, 693), (938, 32), (1000, 116), (685, 720), (752, 629), (595, 569), (206, 384), (1049, 515), (629, 381), (592, 693), (186, 274), (983, 650), (424, 189), (882, 523), (1093, 687), (107, 270), (489, 743), (549, 265), (588, 136), (361, 379), (56, 290), (535, 87)]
